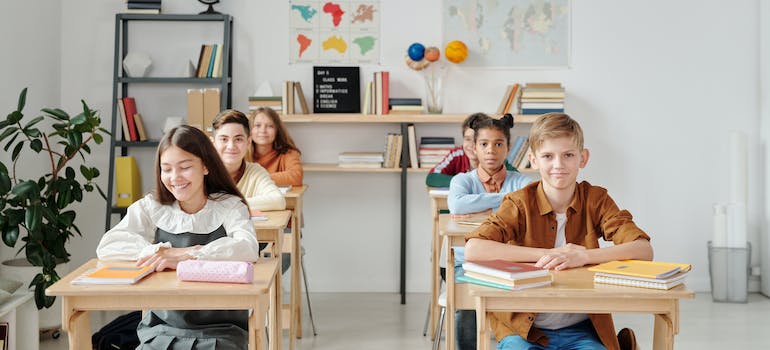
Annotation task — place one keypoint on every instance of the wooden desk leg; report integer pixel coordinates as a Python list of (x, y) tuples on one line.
[(449, 315), (79, 330), (663, 338), (296, 291), (275, 328), (253, 331), (482, 335), (435, 284)]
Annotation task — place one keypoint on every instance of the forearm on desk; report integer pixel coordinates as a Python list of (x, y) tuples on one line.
[(483, 249), (639, 249)]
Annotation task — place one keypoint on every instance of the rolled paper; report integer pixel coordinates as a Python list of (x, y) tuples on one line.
[(719, 238), (736, 225), (737, 176)]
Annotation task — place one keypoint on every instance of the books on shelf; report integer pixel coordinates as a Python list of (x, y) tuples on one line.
[(273, 102), (641, 282), (392, 154), (210, 61), (413, 161), (508, 102), (361, 160), (405, 105), (641, 268), (129, 105), (113, 275), (541, 98), (505, 269), (434, 149)]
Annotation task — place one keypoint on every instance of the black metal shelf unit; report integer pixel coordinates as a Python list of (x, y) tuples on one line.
[(120, 83)]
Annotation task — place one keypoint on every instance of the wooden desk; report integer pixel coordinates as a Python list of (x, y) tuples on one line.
[(457, 296), (438, 202), (162, 290), (292, 246), (574, 291)]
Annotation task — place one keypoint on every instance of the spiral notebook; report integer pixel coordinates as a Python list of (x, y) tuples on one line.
[(641, 282)]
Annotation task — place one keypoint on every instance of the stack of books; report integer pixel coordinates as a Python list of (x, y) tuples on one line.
[(434, 149), (210, 61), (393, 147), (541, 98), (290, 88), (377, 94), (518, 153), (131, 120), (504, 274), (274, 102), (405, 105), (143, 6), (361, 160), (641, 273)]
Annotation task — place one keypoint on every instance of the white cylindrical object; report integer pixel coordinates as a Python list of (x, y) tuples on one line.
[(736, 225), (719, 238), (737, 176)]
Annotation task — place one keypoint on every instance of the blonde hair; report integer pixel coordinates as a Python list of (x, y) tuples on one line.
[(554, 125)]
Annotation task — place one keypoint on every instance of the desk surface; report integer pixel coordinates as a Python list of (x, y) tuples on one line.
[(295, 191), (165, 283), (449, 227), (276, 220)]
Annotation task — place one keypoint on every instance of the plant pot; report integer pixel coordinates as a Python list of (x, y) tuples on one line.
[(20, 269)]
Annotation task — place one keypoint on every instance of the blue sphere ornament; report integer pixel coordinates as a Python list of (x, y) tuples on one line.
[(416, 51)]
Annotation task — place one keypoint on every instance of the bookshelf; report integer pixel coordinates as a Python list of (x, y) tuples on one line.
[(404, 120), (121, 83)]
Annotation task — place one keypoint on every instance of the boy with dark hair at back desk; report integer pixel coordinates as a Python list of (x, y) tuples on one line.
[(557, 223)]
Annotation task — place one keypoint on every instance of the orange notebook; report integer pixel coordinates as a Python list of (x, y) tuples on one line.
[(641, 268), (114, 275)]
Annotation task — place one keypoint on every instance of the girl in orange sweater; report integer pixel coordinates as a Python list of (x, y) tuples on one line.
[(273, 148)]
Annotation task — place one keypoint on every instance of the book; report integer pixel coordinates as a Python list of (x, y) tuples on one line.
[(203, 65), (113, 275), (468, 279), (140, 127), (128, 183), (641, 268), (641, 282), (505, 269), (360, 164), (511, 98), (404, 101), (471, 221), (504, 100), (366, 109), (412, 146), (211, 107), (336, 89), (383, 108), (397, 150), (123, 120), (257, 215), (513, 283), (212, 59), (301, 97), (195, 108), (129, 104), (543, 85), (217, 66)]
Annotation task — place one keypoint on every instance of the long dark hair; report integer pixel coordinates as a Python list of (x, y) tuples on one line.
[(283, 142), (191, 140), (503, 124)]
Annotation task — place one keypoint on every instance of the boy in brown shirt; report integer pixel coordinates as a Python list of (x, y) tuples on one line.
[(557, 223)]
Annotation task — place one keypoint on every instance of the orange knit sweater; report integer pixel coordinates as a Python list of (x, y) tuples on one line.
[(285, 169)]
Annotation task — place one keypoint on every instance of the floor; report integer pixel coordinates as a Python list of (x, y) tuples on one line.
[(376, 321)]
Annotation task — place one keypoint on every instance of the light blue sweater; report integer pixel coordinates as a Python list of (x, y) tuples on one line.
[(468, 195)]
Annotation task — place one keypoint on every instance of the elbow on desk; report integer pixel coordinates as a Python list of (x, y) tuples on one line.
[(472, 250)]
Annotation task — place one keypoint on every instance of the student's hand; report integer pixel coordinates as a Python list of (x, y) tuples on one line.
[(568, 256), (465, 216), (167, 258)]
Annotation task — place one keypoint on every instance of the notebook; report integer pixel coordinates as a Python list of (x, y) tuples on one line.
[(505, 269), (257, 215), (641, 268), (641, 282), (113, 275)]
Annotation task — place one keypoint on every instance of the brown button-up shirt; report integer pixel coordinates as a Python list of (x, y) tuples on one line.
[(526, 218), (492, 183)]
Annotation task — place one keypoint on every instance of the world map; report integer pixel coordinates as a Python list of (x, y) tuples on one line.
[(510, 33), (334, 31)]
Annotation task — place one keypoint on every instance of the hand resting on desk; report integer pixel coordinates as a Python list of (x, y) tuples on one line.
[(167, 258)]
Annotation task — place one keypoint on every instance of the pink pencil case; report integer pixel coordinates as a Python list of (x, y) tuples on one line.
[(215, 271)]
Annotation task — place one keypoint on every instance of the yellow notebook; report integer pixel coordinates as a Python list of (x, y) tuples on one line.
[(641, 268), (128, 183), (114, 275)]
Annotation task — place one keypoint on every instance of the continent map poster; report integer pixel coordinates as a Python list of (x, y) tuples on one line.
[(510, 33), (345, 32)]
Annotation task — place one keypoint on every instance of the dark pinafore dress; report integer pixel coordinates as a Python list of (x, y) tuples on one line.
[(193, 329)]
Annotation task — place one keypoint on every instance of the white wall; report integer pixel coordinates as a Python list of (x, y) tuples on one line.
[(30, 35), (655, 84)]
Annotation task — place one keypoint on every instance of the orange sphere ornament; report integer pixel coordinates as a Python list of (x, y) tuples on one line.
[(432, 54), (456, 51)]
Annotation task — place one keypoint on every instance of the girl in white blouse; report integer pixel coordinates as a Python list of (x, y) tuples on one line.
[(196, 212)]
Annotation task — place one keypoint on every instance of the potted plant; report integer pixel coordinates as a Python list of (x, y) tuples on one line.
[(36, 211)]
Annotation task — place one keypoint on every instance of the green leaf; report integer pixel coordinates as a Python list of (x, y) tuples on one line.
[(78, 119), (95, 171), (36, 145), (34, 253), (57, 113), (33, 218), (34, 132), (33, 122), (98, 139), (5, 182), (11, 235), (10, 143), (15, 116), (86, 171), (8, 132), (70, 173), (25, 189), (88, 187), (16, 150), (22, 99), (66, 218)]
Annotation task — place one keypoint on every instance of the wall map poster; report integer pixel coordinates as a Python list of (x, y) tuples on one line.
[(334, 32)]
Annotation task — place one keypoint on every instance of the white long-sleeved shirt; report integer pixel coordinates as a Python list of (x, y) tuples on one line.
[(259, 189), (132, 237)]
